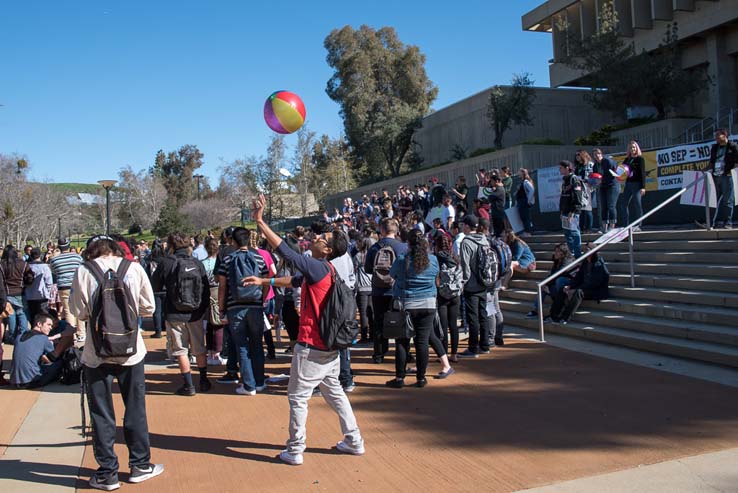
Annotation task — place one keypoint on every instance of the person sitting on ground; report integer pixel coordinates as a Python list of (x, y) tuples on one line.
[(524, 260), (561, 258), (36, 361), (590, 283)]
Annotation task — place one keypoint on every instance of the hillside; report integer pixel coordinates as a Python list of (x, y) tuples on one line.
[(71, 188)]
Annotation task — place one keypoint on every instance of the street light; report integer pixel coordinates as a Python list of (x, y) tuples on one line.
[(198, 178), (107, 185)]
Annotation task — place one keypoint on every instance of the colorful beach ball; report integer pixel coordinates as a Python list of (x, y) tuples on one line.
[(622, 172), (284, 112)]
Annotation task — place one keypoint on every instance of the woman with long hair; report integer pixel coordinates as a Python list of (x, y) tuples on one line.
[(416, 277), (214, 332), (609, 189), (583, 167), (635, 185), (14, 270), (449, 293), (523, 258), (525, 198)]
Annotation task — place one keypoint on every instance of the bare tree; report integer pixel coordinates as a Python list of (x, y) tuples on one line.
[(209, 214)]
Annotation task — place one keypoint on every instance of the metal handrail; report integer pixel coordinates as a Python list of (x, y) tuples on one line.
[(629, 227)]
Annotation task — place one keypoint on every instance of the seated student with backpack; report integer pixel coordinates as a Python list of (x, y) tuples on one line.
[(314, 362), (36, 360), (590, 283), (185, 281)]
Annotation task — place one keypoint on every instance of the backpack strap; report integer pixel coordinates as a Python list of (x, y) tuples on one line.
[(123, 268), (96, 271)]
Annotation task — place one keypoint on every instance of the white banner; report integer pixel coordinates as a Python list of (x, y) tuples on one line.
[(618, 235), (671, 162), (549, 188), (696, 194)]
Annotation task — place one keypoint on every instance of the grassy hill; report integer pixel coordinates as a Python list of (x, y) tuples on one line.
[(70, 188)]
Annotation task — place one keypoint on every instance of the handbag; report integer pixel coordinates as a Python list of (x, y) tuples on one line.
[(397, 323), (214, 312)]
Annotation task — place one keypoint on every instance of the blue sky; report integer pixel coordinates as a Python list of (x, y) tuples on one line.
[(91, 86)]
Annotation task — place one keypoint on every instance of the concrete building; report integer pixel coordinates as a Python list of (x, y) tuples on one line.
[(558, 114), (708, 34)]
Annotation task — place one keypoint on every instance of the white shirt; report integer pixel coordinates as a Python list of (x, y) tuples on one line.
[(457, 243), (345, 269)]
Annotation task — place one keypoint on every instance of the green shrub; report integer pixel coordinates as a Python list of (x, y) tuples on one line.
[(543, 142), (481, 150)]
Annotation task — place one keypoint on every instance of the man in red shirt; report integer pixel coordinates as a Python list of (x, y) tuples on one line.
[(313, 364)]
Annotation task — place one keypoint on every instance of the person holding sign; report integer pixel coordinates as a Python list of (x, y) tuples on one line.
[(723, 157)]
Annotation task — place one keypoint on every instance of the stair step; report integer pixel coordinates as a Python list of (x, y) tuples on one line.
[(702, 351), (686, 257), (653, 325), (658, 246), (662, 282), (678, 311), (696, 270), (672, 234)]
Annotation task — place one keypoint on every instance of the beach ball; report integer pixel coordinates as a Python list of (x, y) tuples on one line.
[(284, 112)]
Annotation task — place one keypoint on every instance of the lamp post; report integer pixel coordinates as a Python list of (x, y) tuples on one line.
[(198, 178), (107, 185)]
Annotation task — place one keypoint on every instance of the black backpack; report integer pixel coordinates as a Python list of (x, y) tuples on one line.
[(243, 265), (184, 284), (71, 370), (113, 322), (383, 260), (337, 325)]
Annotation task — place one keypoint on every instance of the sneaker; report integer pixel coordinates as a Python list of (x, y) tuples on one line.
[(345, 448), (395, 383), (562, 322), (288, 350), (241, 390), (291, 459), (261, 388), (228, 378), (349, 388), (531, 314), (727, 226), (156, 335), (217, 361), (205, 385), (141, 474), (484, 351), (186, 390), (378, 360), (109, 483), (468, 354)]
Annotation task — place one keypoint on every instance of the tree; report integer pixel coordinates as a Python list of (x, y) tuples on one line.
[(383, 91), (237, 184), (212, 213), (333, 174), (176, 170), (302, 162), (142, 196), (510, 105), (170, 221)]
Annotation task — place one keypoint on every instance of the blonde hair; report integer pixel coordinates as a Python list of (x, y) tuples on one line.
[(638, 149)]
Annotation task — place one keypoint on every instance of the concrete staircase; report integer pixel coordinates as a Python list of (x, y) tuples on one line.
[(685, 302)]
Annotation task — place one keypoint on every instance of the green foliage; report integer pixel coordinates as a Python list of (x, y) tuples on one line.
[(333, 173), (481, 150), (383, 91), (619, 78), (543, 142), (510, 106), (176, 170), (170, 221), (458, 152), (599, 137)]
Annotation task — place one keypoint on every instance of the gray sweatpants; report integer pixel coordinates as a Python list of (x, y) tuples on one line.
[(312, 368)]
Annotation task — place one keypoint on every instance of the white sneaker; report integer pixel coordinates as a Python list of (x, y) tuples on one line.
[(344, 447), (141, 474), (217, 361), (241, 390), (291, 459)]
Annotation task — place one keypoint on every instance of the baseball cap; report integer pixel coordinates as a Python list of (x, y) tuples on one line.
[(470, 221)]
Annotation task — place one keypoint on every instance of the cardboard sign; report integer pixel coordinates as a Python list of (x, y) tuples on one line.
[(696, 195), (513, 216)]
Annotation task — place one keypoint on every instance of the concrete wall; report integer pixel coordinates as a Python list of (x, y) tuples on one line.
[(522, 156), (657, 134), (560, 114)]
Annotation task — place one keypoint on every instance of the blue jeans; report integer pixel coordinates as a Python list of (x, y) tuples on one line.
[(246, 326), (345, 376), (553, 289), (17, 322), (632, 193), (574, 240), (724, 186), (608, 203)]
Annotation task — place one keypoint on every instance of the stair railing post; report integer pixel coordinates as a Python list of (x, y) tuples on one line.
[(708, 223), (540, 312), (632, 261)]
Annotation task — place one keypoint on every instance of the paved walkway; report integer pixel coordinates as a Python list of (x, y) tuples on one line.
[(527, 416)]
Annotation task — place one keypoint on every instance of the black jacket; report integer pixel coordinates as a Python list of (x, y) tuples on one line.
[(593, 278), (571, 195), (163, 276), (731, 157), (637, 167)]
